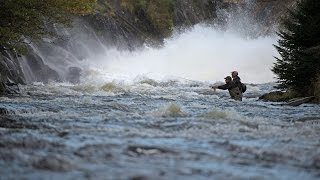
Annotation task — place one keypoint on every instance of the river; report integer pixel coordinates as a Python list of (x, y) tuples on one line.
[(150, 114), (151, 129)]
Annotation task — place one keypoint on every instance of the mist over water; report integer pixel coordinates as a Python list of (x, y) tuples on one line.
[(202, 53)]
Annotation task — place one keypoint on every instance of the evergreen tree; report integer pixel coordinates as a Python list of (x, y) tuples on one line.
[(299, 47)]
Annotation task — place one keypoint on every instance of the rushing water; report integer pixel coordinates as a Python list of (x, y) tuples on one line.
[(147, 129), (150, 115), (201, 53)]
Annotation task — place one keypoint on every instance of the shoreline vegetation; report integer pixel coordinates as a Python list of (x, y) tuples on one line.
[(298, 68)]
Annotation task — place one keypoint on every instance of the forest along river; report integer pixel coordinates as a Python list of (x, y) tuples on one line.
[(155, 130)]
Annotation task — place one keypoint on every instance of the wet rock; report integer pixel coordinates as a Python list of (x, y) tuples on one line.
[(10, 68), (28, 142), (185, 14), (15, 124), (74, 74), (12, 88), (278, 96), (8, 86), (53, 163), (41, 71), (3, 111), (316, 90), (139, 177), (63, 134), (316, 162), (162, 173), (272, 96), (299, 101), (2, 89)]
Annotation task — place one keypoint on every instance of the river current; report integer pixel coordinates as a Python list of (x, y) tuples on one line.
[(152, 129)]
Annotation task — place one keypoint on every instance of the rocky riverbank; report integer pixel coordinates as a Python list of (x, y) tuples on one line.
[(289, 96), (124, 25)]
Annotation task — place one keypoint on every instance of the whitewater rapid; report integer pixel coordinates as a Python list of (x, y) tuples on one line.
[(150, 114), (201, 53), (150, 129)]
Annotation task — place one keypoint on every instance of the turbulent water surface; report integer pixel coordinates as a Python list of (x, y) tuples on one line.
[(136, 115), (147, 129)]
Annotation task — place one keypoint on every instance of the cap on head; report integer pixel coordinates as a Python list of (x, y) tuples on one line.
[(234, 73), (228, 78)]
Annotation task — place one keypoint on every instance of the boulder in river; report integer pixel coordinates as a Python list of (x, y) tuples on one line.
[(74, 74)]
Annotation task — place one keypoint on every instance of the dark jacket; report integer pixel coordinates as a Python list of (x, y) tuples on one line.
[(233, 89), (237, 82)]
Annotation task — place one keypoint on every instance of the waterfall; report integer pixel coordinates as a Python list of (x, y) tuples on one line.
[(202, 52)]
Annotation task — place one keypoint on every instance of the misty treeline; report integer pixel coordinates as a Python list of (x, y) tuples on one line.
[(298, 68)]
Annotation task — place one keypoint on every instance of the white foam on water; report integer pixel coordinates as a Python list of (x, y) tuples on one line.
[(203, 53)]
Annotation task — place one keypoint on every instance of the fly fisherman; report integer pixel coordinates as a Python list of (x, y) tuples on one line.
[(236, 79), (232, 87)]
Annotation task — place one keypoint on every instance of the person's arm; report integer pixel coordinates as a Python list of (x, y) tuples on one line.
[(224, 87), (229, 85)]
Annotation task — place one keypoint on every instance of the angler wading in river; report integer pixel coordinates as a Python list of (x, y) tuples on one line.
[(232, 87)]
